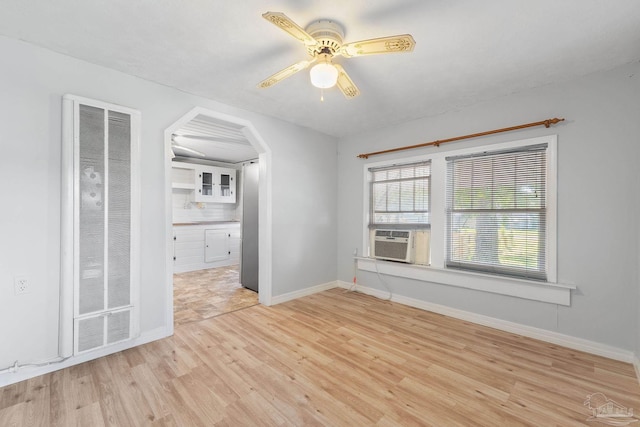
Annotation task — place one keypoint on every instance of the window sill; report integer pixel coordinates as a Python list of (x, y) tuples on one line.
[(538, 291)]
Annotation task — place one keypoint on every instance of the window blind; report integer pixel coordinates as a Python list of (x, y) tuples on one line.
[(400, 194), (496, 212)]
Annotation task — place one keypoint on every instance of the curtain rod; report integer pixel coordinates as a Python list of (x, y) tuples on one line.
[(437, 143)]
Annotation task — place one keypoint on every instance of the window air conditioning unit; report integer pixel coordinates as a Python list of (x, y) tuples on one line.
[(393, 245)]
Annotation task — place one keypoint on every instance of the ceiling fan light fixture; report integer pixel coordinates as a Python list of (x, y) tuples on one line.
[(323, 75)]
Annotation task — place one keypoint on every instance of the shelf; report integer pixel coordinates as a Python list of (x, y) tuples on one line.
[(183, 186)]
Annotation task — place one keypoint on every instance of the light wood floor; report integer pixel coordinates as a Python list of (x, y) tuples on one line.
[(330, 359), (202, 294)]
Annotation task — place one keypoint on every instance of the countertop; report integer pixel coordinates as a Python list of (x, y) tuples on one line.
[(205, 223)]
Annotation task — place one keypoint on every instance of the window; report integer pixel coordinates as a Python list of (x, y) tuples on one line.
[(489, 223), (399, 195), (496, 212)]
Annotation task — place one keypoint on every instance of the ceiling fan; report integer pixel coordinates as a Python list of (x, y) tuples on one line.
[(324, 40)]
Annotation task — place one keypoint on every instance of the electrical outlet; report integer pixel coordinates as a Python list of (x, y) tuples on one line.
[(21, 285)]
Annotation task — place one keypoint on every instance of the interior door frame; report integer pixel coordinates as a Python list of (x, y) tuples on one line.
[(264, 206)]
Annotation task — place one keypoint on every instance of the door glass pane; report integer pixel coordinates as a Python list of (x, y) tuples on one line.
[(207, 184), (225, 189)]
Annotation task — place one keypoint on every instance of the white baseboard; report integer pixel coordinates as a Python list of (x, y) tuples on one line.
[(528, 331), (27, 372), (278, 299)]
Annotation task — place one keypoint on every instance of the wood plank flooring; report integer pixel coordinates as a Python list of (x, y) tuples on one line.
[(202, 294), (331, 359)]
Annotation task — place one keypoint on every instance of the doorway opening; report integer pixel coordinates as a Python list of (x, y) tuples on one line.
[(202, 294), (218, 204)]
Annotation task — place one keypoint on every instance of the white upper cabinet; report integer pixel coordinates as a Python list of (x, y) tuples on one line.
[(210, 184), (213, 184)]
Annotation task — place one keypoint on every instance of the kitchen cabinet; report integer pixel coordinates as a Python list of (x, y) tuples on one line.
[(199, 246), (215, 184), (226, 185), (205, 184), (216, 245), (208, 184)]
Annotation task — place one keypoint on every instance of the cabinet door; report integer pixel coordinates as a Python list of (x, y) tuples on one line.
[(216, 245), (205, 184), (226, 185)]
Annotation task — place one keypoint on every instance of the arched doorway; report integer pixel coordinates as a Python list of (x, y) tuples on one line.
[(242, 129)]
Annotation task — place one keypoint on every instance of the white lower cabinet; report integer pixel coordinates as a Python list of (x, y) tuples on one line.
[(216, 245), (201, 246)]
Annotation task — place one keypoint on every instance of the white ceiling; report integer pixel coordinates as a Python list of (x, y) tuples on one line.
[(467, 50), (208, 138)]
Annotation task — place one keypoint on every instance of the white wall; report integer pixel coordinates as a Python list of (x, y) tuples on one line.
[(306, 210), (598, 213), (32, 82), (637, 335), (186, 211)]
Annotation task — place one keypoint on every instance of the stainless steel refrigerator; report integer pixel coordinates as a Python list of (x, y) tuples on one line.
[(249, 245)]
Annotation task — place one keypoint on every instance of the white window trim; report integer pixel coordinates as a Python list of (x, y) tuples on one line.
[(436, 272)]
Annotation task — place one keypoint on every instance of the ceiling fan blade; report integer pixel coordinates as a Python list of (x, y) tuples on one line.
[(391, 44), (345, 84), (175, 146), (285, 23), (283, 74)]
